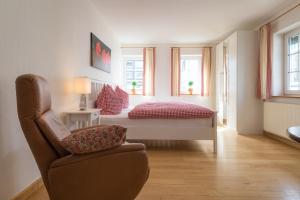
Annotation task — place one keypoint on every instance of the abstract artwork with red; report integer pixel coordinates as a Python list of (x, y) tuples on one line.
[(100, 54)]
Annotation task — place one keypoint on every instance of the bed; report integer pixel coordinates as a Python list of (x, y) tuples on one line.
[(161, 129)]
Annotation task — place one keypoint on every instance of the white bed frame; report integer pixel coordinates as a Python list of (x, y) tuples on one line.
[(164, 131)]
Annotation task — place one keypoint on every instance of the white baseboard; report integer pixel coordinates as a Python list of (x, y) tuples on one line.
[(282, 139)]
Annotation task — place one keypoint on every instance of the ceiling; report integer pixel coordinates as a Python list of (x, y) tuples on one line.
[(185, 21)]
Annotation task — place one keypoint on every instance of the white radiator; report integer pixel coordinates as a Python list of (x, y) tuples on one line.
[(278, 117)]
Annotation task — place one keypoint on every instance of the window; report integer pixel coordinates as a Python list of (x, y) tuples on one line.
[(190, 71), (292, 80), (134, 70)]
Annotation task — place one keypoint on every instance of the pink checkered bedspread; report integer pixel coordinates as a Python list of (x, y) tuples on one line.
[(169, 111)]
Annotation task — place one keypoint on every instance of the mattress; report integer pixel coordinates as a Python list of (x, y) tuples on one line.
[(169, 110), (123, 120)]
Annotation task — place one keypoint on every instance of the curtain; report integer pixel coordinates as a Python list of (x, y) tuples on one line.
[(149, 71), (225, 85), (175, 71), (265, 63), (206, 71)]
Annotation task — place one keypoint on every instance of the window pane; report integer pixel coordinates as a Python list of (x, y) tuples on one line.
[(129, 76), (134, 72), (293, 68), (128, 85), (294, 63), (190, 71), (139, 75), (294, 80), (294, 44), (139, 84), (139, 64)]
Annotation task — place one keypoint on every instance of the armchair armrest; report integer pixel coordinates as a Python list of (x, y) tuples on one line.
[(118, 173), (70, 159)]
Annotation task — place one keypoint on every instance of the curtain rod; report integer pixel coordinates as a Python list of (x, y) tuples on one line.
[(283, 14), (169, 47), (132, 47), (193, 47)]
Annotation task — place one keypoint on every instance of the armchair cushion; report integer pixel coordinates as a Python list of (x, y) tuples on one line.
[(54, 130), (94, 139)]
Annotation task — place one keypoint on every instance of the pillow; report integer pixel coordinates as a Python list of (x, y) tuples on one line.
[(94, 139), (113, 103), (114, 106), (101, 99), (124, 95)]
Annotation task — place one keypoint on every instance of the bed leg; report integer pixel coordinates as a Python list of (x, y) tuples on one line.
[(215, 132), (215, 146)]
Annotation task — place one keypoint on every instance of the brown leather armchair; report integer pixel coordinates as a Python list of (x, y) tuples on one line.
[(116, 174)]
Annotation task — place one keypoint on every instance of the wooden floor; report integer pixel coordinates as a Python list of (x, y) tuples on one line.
[(246, 167)]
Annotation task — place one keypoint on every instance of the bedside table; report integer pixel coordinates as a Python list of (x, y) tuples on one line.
[(82, 118)]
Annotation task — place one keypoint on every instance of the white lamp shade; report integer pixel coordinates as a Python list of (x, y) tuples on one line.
[(82, 85)]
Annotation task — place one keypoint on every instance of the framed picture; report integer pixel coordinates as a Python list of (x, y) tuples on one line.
[(100, 54)]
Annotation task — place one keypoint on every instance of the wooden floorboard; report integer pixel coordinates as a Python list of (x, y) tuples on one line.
[(246, 168)]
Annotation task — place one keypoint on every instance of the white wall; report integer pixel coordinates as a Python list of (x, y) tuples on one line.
[(163, 80), (50, 38), (287, 22)]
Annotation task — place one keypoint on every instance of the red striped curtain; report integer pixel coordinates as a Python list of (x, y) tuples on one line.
[(265, 63), (149, 71), (206, 71), (175, 71)]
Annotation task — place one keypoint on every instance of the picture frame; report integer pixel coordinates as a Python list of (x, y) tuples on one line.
[(100, 54)]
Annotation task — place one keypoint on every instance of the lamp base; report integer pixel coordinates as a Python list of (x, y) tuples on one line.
[(83, 102)]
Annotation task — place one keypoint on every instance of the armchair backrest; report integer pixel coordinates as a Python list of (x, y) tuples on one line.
[(36, 119)]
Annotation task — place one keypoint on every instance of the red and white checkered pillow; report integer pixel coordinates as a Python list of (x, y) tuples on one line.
[(109, 101), (101, 99), (124, 95)]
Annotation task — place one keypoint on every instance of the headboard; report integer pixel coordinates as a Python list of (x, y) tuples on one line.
[(96, 87)]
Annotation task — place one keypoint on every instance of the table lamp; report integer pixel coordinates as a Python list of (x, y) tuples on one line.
[(82, 86)]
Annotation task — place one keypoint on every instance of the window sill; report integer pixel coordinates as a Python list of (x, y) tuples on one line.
[(190, 94), (286, 97)]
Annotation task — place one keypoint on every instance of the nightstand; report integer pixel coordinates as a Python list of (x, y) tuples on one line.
[(82, 118)]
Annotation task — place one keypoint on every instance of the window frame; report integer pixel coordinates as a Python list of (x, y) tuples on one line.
[(125, 60), (185, 56), (287, 36)]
